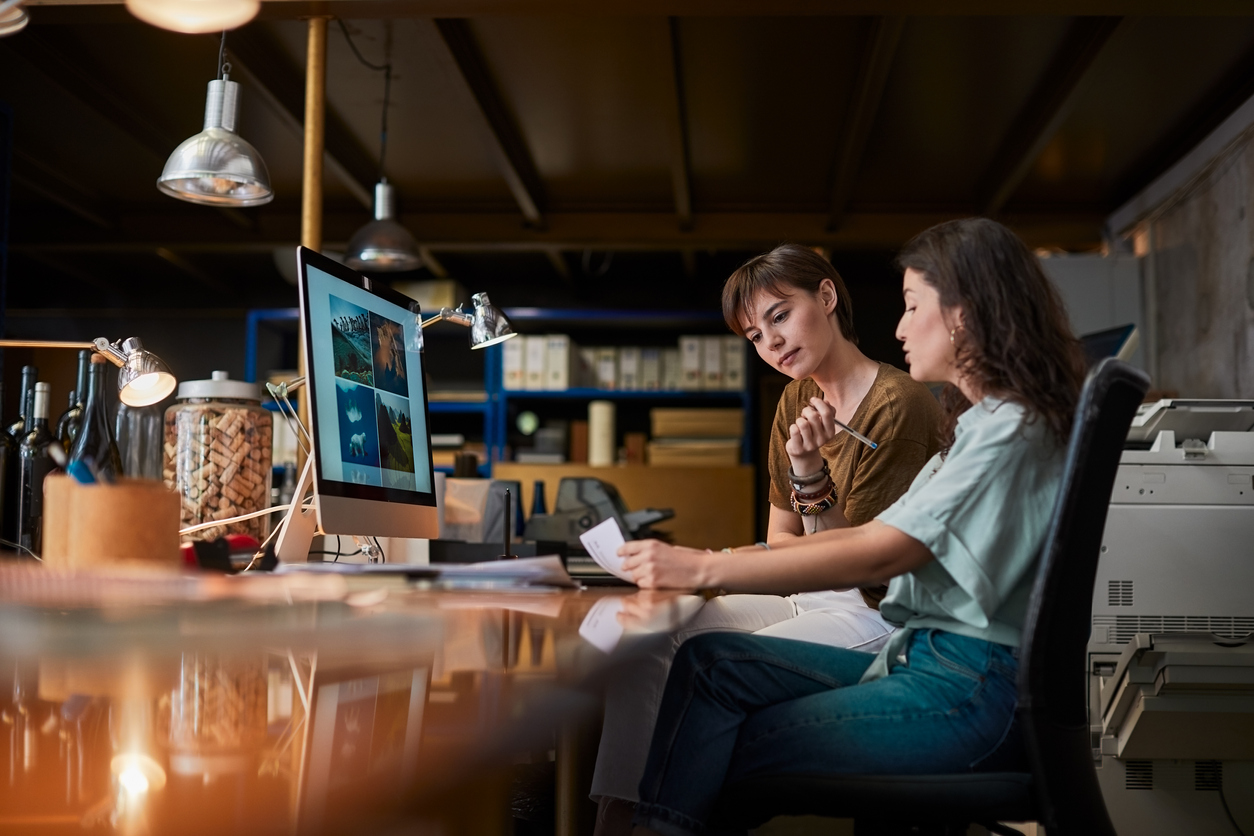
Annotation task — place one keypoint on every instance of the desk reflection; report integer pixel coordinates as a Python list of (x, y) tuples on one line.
[(217, 716)]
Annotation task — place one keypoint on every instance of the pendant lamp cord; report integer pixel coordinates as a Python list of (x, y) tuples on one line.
[(386, 69), (223, 66)]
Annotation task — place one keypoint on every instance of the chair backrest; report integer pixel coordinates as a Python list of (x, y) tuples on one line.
[(1052, 672)]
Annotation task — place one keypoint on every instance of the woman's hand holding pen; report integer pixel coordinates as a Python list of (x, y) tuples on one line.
[(814, 427)]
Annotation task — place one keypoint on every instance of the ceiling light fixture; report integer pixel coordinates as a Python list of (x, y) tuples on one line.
[(216, 167), (195, 17), (13, 18), (383, 245)]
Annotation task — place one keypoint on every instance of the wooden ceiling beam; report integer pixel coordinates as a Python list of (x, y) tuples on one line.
[(179, 262), (44, 179), (868, 93), (620, 231), (1059, 88), (558, 262), (255, 51), (73, 271), (432, 263), (513, 156), (92, 86), (676, 110)]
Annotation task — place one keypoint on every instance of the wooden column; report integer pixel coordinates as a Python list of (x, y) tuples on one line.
[(311, 183), (315, 128)]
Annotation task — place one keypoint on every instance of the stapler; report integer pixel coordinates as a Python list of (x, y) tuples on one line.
[(583, 502)]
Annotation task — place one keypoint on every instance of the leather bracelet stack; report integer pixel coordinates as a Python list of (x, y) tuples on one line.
[(800, 483), (812, 494)]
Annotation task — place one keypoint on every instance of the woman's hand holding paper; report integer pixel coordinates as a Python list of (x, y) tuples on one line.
[(657, 565)]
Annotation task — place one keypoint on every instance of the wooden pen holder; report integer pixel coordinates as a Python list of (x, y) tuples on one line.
[(134, 523)]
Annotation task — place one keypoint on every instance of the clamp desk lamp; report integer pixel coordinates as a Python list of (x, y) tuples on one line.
[(143, 378)]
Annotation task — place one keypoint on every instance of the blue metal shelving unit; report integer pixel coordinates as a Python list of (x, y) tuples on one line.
[(494, 408)]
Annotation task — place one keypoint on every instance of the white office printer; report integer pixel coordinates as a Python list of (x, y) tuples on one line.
[(1171, 659)]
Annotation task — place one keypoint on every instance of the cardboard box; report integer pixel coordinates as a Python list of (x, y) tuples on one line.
[(714, 452), (673, 422)]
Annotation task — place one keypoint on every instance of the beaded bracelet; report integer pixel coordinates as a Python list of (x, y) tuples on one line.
[(805, 497), (811, 509)]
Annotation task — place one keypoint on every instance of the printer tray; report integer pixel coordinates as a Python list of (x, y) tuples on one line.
[(1185, 696)]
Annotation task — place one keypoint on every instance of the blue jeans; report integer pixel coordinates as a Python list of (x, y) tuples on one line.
[(738, 706)]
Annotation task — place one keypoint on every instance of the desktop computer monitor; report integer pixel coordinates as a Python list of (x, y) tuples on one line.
[(372, 472)]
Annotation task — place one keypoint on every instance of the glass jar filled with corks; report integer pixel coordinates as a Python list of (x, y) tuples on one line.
[(217, 455)]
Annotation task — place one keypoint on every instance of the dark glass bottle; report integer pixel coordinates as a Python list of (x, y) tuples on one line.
[(72, 418), (538, 504), (36, 464), (16, 427), (94, 445), (8, 486)]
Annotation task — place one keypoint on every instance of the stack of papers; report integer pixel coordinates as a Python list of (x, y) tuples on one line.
[(526, 571)]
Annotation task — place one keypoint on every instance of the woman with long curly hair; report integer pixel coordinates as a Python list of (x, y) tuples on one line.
[(958, 551)]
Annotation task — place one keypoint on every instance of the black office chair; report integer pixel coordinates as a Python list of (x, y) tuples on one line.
[(1056, 784)]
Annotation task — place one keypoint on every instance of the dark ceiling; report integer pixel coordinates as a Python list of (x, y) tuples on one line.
[(529, 149)]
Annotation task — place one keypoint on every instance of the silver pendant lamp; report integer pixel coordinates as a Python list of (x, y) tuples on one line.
[(383, 245), (217, 167), (13, 18)]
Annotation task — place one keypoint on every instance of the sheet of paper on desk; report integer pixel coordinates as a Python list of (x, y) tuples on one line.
[(602, 542), (541, 571)]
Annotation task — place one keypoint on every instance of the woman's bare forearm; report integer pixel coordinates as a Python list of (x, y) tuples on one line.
[(839, 559)]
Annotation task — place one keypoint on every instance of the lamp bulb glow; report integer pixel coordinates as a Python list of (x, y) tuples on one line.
[(194, 16), (133, 780)]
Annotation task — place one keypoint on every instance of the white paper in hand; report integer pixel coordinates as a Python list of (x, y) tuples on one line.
[(602, 542)]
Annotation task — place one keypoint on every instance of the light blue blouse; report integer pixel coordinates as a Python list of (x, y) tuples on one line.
[(983, 512)]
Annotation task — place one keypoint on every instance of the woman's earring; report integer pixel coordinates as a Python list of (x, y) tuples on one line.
[(951, 336)]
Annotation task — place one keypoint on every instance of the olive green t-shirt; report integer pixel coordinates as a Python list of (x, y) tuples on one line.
[(898, 413)]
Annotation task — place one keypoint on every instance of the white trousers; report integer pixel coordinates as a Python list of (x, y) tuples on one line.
[(836, 618)]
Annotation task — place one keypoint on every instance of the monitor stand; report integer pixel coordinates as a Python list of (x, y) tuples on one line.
[(299, 524)]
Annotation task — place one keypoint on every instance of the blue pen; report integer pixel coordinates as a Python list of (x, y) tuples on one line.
[(855, 434)]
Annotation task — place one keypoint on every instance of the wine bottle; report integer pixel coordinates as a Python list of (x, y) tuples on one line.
[(16, 428), (8, 485), (35, 465), (94, 446), (72, 418)]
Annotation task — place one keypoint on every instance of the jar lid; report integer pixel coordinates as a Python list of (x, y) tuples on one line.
[(221, 386)]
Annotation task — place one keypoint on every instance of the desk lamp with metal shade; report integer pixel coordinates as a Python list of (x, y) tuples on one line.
[(143, 377)]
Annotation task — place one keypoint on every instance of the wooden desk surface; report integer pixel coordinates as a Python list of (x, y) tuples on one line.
[(242, 715)]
